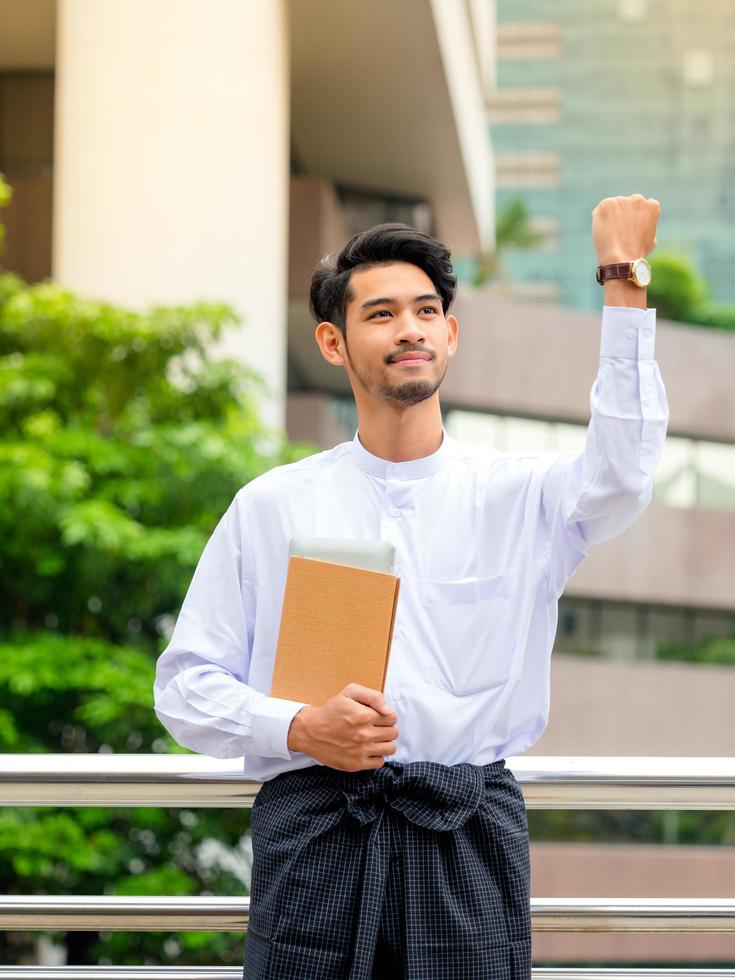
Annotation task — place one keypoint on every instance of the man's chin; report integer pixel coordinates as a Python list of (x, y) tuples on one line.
[(408, 394)]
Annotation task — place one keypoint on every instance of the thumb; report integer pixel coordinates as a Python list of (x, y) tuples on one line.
[(370, 697)]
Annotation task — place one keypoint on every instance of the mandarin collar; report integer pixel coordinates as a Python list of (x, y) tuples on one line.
[(409, 469)]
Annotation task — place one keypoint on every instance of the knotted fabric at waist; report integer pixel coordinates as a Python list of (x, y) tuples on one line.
[(296, 808), (428, 794), (431, 796)]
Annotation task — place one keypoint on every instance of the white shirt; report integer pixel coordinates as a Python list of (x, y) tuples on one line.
[(485, 542)]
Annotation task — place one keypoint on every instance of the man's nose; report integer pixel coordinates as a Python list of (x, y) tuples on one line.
[(410, 328)]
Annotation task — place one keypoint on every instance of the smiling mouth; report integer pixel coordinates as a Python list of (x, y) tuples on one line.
[(412, 359)]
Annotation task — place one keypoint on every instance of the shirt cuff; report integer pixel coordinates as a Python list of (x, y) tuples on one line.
[(270, 729), (628, 331)]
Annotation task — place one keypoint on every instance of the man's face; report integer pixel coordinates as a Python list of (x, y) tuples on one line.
[(398, 340)]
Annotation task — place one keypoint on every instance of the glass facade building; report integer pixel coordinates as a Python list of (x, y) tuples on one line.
[(608, 97)]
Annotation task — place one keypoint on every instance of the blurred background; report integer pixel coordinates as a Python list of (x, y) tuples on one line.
[(172, 171)]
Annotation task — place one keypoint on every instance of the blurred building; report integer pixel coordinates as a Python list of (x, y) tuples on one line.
[(167, 150), (615, 97), (151, 145)]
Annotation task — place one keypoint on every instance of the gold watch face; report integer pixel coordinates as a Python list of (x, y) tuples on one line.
[(641, 272)]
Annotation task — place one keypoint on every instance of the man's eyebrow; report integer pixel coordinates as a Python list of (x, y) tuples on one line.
[(388, 300)]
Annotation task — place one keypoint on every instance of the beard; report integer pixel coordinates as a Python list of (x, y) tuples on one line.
[(407, 394), (410, 392)]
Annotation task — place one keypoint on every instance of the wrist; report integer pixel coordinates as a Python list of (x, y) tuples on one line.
[(621, 292), (297, 730)]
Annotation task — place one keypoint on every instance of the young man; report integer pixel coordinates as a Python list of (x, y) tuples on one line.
[(389, 838)]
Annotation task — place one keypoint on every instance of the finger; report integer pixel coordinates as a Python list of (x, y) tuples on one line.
[(384, 721), (382, 748), (384, 729)]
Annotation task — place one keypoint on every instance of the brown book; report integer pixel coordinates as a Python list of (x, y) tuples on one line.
[(336, 628)]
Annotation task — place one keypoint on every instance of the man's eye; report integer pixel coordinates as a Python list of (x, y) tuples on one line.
[(378, 313), (431, 309)]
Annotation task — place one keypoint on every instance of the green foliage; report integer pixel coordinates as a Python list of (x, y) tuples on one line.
[(718, 315), (633, 827), (5, 197), (711, 650), (512, 230), (122, 442), (677, 291)]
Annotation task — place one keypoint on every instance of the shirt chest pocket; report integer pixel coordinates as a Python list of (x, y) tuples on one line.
[(469, 632)]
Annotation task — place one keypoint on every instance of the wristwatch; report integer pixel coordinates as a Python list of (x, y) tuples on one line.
[(637, 272)]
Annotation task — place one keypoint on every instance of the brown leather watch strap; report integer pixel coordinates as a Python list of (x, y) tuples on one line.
[(619, 270)]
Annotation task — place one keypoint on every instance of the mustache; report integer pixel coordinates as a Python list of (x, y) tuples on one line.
[(411, 350)]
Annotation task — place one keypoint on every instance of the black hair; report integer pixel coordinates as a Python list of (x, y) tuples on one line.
[(330, 290)]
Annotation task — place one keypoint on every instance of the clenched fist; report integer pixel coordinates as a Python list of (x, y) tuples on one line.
[(624, 228), (354, 730)]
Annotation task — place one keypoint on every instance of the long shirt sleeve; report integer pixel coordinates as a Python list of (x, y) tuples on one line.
[(201, 693), (593, 495)]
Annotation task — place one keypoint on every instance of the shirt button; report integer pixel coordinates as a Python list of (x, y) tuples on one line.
[(398, 634), (647, 332), (396, 695), (395, 512), (630, 332)]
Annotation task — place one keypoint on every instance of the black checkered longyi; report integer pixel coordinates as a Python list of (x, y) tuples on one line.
[(417, 871)]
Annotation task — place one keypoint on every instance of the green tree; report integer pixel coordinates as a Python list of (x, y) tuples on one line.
[(677, 290), (6, 195), (122, 442), (721, 316), (512, 230)]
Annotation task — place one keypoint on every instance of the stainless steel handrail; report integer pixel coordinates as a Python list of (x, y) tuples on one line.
[(619, 973), (193, 914), (188, 780), (680, 915), (235, 973)]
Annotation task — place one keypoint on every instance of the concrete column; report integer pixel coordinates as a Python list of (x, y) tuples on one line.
[(172, 162)]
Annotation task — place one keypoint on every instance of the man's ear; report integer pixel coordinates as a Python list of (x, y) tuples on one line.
[(452, 335), (331, 342)]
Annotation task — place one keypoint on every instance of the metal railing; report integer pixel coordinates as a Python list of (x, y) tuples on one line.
[(235, 973), (145, 913), (184, 780), (548, 782)]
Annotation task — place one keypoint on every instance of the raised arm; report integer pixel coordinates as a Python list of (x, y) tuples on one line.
[(595, 494)]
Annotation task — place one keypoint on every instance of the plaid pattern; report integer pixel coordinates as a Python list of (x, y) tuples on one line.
[(415, 870)]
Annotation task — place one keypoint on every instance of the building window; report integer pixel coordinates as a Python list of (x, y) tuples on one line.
[(698, 68), (362, 209), (521, 170), (690, 473), (524, 42), (521, 105), (638, 631), (26, 160), (633, 11)]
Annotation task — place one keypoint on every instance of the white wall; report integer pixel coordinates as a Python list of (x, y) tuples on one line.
[(172, 161)]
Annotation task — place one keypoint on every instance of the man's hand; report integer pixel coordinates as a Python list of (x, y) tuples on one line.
[(354, 730), (624, 229)]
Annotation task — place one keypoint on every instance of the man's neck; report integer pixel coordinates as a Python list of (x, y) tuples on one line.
[(401, 435)]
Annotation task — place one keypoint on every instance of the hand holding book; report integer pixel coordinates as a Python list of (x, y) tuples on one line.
[(333, 648), (354, 730)]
